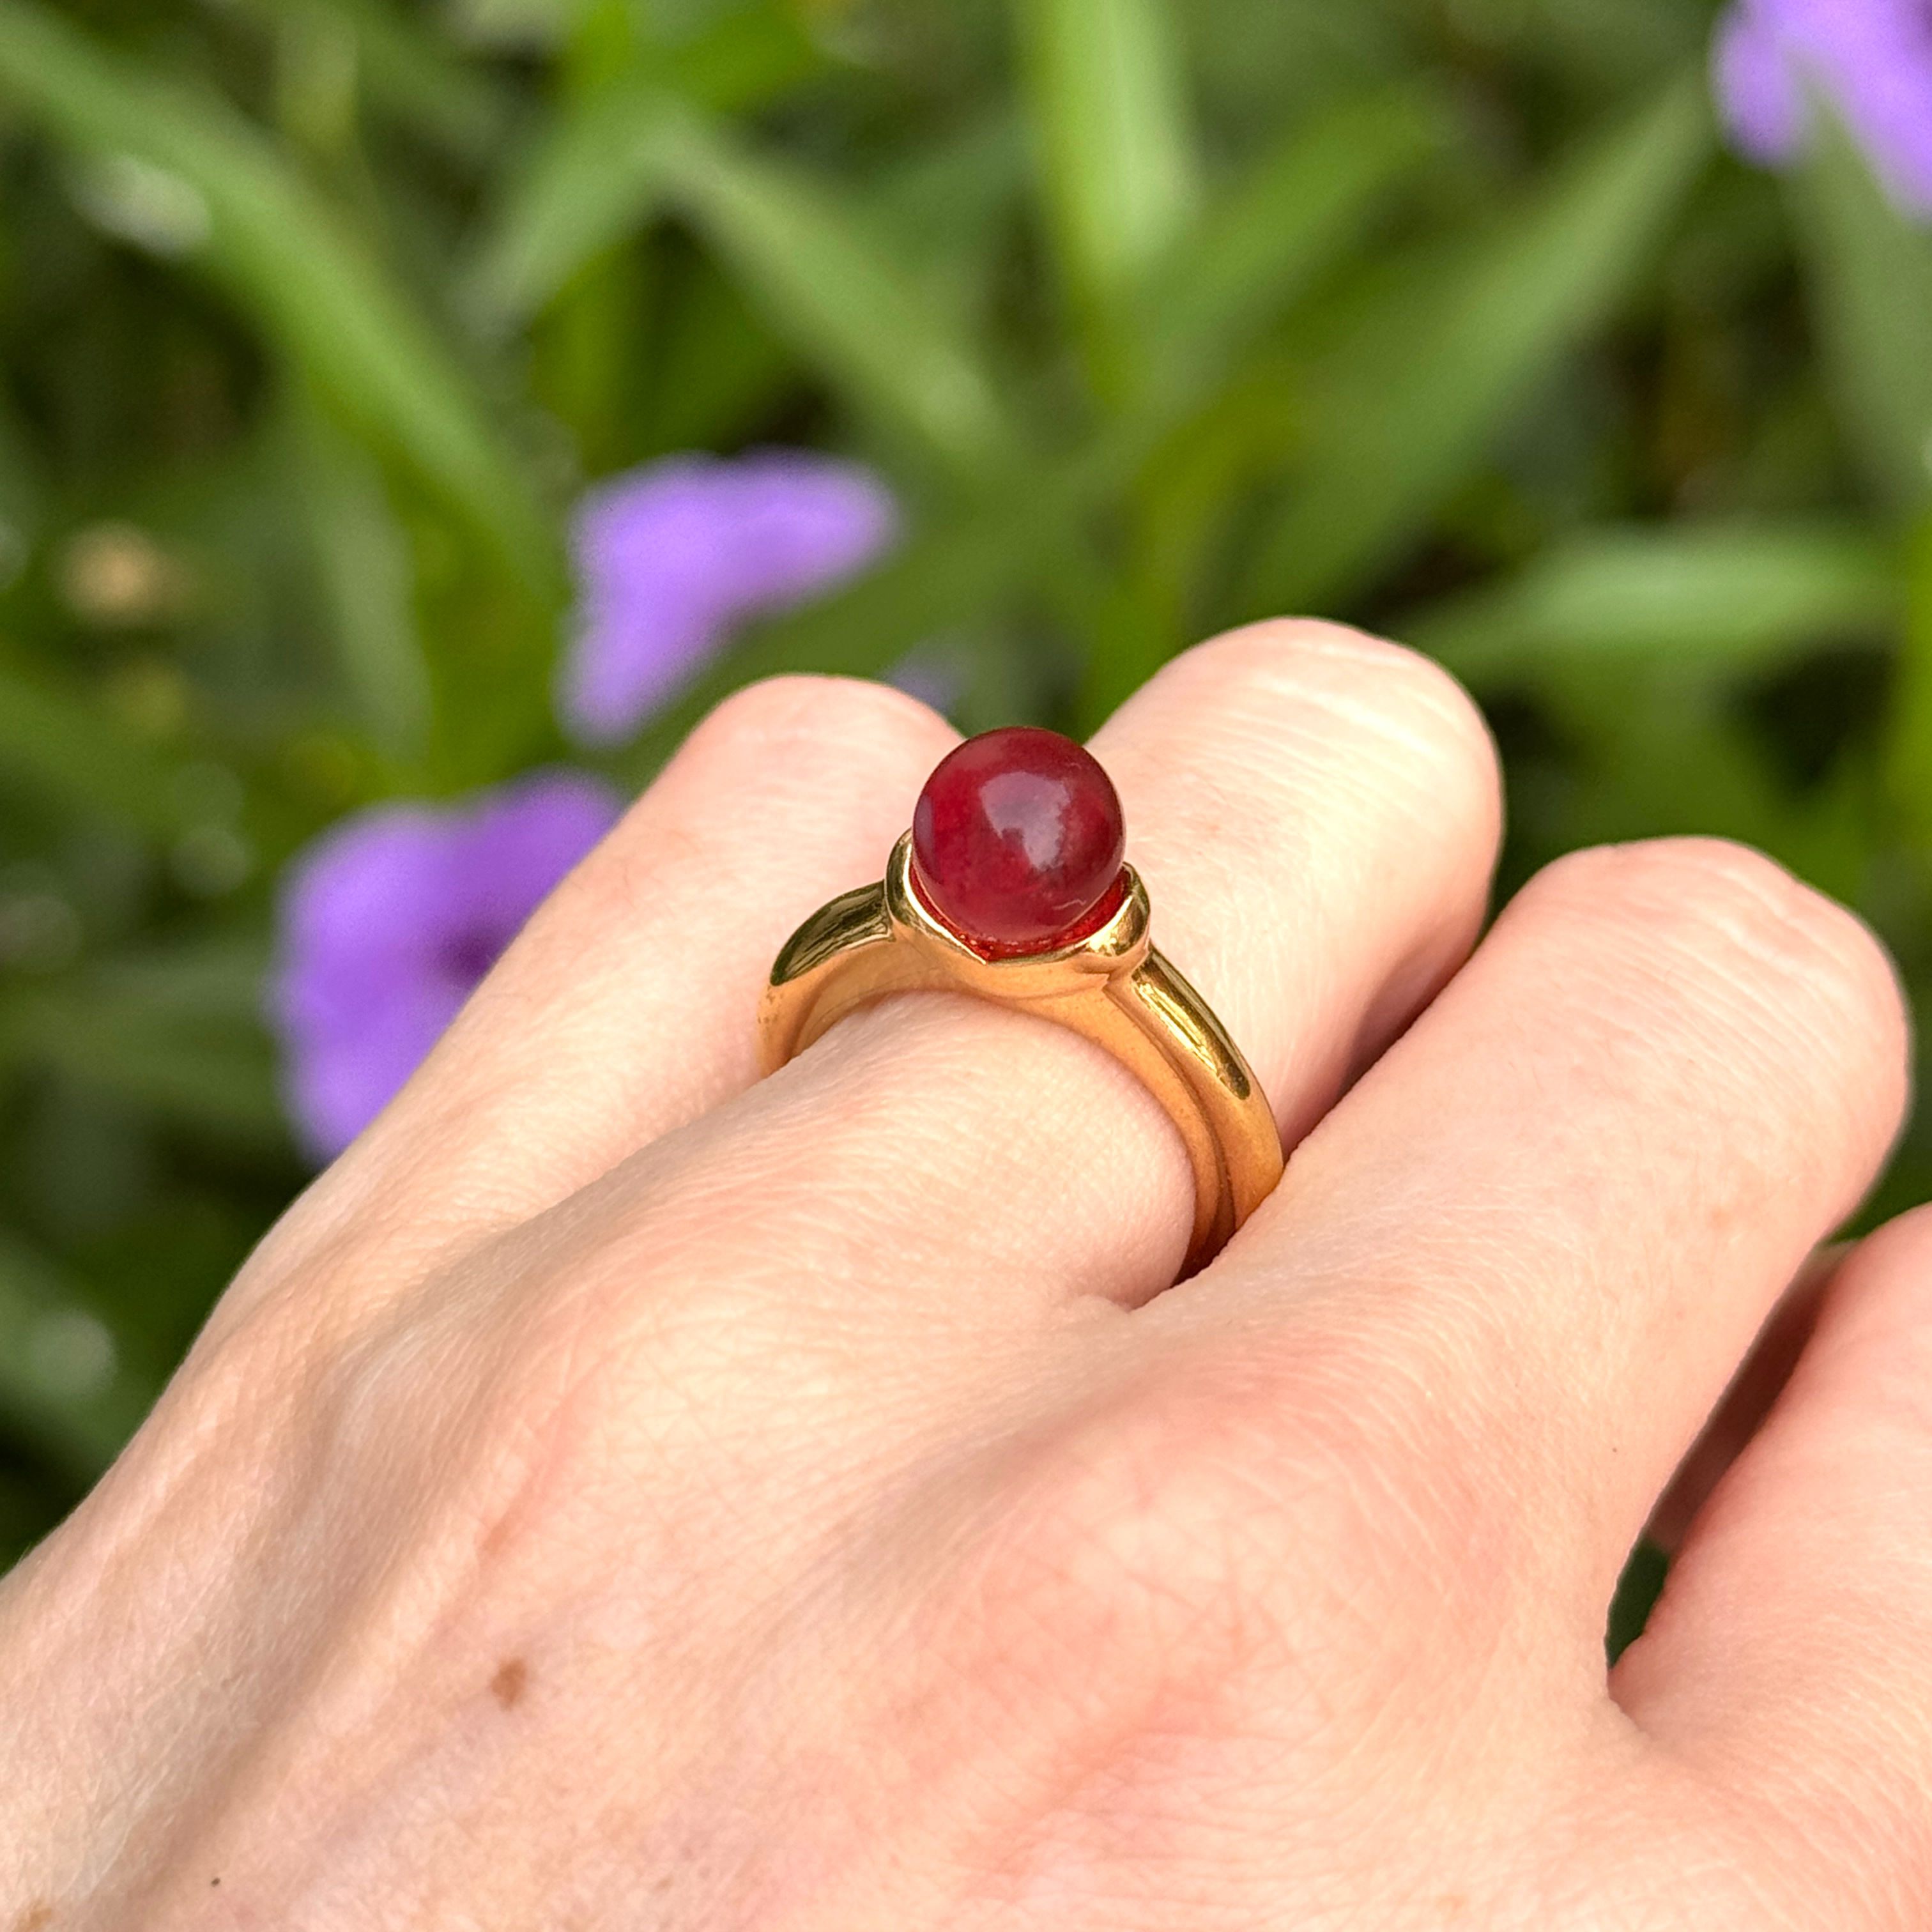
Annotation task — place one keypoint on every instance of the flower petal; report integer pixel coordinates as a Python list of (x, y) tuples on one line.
[(1757, 83), (389, 920), (1872, 58), (673, 558)]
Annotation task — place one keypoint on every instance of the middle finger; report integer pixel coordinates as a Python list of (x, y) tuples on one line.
[(1529, 1249)]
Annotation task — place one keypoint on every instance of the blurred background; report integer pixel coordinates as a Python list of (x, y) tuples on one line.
[(351, 353)]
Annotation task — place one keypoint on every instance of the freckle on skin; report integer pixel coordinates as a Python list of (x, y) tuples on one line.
[(35, 1917), (508, 1685)]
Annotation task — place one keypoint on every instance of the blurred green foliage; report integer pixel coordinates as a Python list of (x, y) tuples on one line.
[(1447, 316)]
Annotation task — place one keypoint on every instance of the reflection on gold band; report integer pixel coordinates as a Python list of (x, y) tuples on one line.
[(1112, 987)]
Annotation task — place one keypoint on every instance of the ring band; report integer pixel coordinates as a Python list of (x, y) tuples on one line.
[(1111, 987)]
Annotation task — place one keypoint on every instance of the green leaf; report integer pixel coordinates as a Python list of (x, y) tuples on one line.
[(719, 373), (23, 494), (1908, 751), (1657, 748), (523, 27), (942, 211), (404, 71), (212, 1072), (825, 284), (1303, 206), (214, 982), (1113, 134), (67, 1385), (598, 172), (177, 1031), (76, 754), (599, 175), (1870, 276), (1115, 147), (740, 62), (1182, 485), (1738, 597), (362, 558), (177, 169), (822, 279), (1199, 438), (408, 75), (1414, 398)]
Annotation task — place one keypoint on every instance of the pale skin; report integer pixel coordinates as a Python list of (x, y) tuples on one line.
[(623, 1494)]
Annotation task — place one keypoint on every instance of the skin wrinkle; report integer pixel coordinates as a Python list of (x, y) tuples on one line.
[(171, 1693), (1824, 952), (1119, 1830), (1384, 772), (1621, 1067), (897, 1098), (1789, 1836), (1025, 1530), (1757, 1025), (1258, 653), (687, 1393), (1391, 763), (354, 1725)]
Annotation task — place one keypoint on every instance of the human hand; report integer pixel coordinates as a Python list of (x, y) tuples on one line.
[(621, 1495)]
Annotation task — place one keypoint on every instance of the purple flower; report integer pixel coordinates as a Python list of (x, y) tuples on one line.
[(390, 919), (1872, 59), (674, 557)]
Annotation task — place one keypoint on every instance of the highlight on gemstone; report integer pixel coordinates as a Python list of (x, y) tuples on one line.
[(1018, 841)]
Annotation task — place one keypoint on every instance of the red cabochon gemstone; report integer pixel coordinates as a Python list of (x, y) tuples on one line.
[(1017, 840)]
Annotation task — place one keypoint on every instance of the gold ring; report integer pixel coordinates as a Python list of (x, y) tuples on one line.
[(1100, 977)]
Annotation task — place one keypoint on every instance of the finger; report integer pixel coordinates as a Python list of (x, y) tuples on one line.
[(1788, 1653), (1529, 1249), (624, 1009), (1316, 815)]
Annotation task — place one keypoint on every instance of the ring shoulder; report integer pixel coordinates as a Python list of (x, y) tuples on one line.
[(1188, 1019), (853, 919)]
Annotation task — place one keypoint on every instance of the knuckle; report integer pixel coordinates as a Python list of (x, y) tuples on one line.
[(1372, 722), (1404, 692), (764, 750), (1204, 1527), (1768, 944), (805, 712)]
